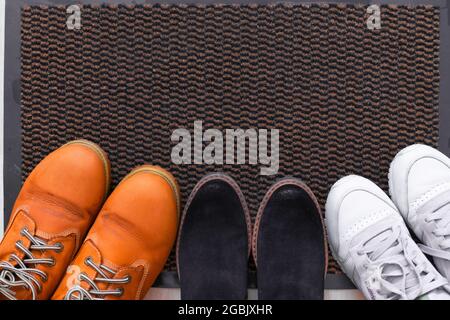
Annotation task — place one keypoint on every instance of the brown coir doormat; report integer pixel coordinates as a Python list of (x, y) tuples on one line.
[(344, 98)]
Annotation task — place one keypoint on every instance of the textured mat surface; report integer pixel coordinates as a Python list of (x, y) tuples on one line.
[(344, 98)]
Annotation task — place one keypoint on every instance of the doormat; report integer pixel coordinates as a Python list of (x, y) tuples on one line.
[(345, 98)]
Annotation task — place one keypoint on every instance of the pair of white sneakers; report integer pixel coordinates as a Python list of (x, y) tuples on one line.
[(368, 236)]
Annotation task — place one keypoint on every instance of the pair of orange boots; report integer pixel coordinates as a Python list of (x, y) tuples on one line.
[(129, 236)]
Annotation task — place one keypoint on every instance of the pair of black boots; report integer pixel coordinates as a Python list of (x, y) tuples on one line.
[(215, 241)]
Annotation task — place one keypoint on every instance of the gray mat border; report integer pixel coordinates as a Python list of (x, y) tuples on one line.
[(12, 127)]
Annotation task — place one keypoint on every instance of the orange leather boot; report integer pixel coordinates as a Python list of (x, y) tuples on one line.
[(51, 216), (129, 243)]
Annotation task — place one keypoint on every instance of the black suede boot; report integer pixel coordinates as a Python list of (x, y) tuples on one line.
[(289, 244), (213, 242)]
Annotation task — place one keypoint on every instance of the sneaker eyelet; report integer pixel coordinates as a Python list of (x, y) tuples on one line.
[(129, 278), (44, 278), (53, 262), (120, 292)]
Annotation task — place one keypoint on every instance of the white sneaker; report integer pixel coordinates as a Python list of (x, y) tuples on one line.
[(371, 243), (419, 184)]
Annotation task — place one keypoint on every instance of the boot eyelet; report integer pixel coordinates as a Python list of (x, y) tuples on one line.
[(53, 262), (129, 278), (23, 231), (82, 275), (87, 260), (44, 278), (120, 292), (61, 247)]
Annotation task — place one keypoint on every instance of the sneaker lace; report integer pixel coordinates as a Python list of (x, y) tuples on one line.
[(437, 211), (95, 293), (17, 272), (395, 270)]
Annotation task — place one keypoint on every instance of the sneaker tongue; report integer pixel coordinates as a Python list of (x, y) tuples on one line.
[(378, 239), (440, 203), (390, 272), (442, 223), (395, 269)]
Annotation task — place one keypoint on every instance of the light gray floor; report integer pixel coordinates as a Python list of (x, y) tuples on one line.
[(155, 293)]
